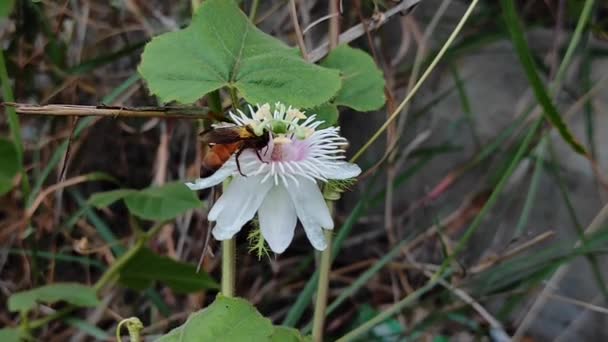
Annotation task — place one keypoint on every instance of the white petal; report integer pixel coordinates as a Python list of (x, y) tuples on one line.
[(237, 205), (312, 211), (342, 170), (216, 178), (277, 219), (315, 235)]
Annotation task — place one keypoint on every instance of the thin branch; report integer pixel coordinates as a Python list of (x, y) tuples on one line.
[(553, 282), (293, 12), (358, 30), (580, 303), (318, 21), (114, 111)]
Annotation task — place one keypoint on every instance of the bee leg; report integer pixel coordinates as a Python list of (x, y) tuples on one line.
[(238, 164), (257, 152)]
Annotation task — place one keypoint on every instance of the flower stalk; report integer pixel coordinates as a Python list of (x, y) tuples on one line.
[(228, 267), (318, 323), (323, 287)]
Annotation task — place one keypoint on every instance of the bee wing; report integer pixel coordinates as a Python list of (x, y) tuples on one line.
[(226, 135)]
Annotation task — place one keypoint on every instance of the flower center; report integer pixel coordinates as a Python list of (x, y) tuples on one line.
[(284, 149)]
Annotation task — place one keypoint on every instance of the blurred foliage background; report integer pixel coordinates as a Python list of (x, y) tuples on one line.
[(501, 158)]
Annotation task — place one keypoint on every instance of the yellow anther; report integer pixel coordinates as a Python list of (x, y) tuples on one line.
[(293, 113), (281, 139), (263, 112)]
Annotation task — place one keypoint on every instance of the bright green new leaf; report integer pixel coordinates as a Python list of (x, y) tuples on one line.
[(147, 267), (227, 319), (75, 294), (163, 202), (104, 199), (362, 81), (9, 165), (221, 48)]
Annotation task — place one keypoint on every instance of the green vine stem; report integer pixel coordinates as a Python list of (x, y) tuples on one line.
[(253, 10)]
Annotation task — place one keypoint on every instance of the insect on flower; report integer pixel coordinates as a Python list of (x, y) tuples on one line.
[(276, 160), (226, 141)]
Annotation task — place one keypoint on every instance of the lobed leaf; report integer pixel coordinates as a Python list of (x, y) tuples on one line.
[(162, 202), (226, 319), (362, 81), (154, 203), (327, 112), (286, 334), (221, 48), (362, 84)]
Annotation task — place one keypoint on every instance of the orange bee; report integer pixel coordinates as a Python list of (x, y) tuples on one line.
[(224, 142)]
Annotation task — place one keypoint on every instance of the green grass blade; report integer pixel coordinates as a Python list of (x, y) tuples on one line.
[(465, 104), (523, 147), (592, 259), (13, 120), (85, 261), (525, 56), (102, 228), (534, 185), (361, 280)]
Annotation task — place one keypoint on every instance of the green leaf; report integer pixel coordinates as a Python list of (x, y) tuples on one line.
[(362, 81), (327, 112), (286, 334), (75, 294), (104, 199), (162, 203), (6, 7), (147, 267), (9, 165), (525, 56), (227, 319), (221, 48), (10, 335)]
